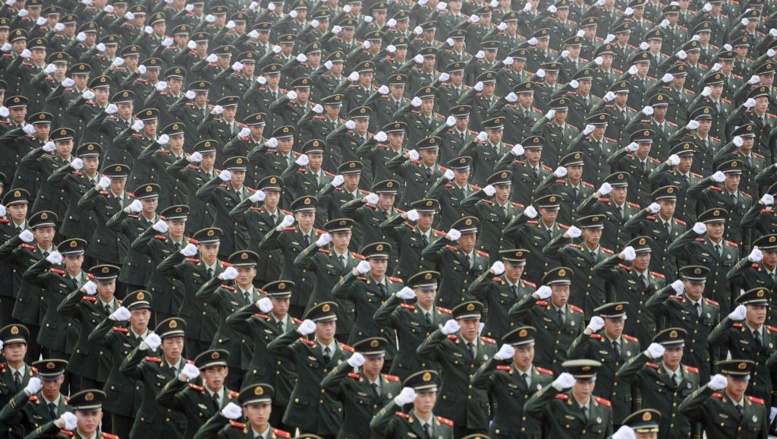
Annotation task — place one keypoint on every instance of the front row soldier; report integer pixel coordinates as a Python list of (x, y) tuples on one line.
[(419, 389), (83, 422), (257, 402), (511, 378), (39, 402), (642, 424), (723, 406), (568, 408)]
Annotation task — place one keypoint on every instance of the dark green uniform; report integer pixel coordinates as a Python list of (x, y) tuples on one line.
[(458, 270), (395, 424), (412, 242), (499, 296), (24, 413), (720, 417), (193, 401), (563, 417)]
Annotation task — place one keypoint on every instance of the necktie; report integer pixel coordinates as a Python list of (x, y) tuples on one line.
[(318, 180), (210, 273), (327, 354), (17, 379), (667, 228), (739, 410), (247, 296), (216, 404), (428, 173), (279, 323), (697, 307), (53, 411), (18, 230), (469, 262), (525, 379), (272, 219), (307, 240), (677, 379), (424, 240), (550, 233), (686, 181), (174, 370), (375, 389), (718, 249), (428, 317), (585, 413), (643, 282), (45, 254), (428, 430), (515, 290), (561, 316), (177, 246), (342, 261), (471, 348), (642, 166), (535, 172), (733, 198), (396, 105), (382, 289), (616, 349), (593, 256), (757, 339), (107, 309), (576, 193)]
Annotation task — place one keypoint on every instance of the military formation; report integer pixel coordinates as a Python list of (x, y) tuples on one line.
[(355, 219)]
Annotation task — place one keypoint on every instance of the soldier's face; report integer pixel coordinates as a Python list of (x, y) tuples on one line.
[(19, 46), (181, 40), (14, 352), (314, 59), (429, 156), (761, 104), (214, 377), (736, 386), (149, 205), (362, 124), (526, 99), (584, 86), (693, 290), (17, 212), (574, 172), (280, 307), (716, 90), (401, 53), (457, 77), (73, 263), (229, 113), (237, 178), (619, 194), (125, 111), (589, 32), (149, 128), (732, 181), (333, 111), (175, 229), (341, 241), (38, 55), (176, 142), (424, 403), (533, 155), (524, 357), (425, 298), (209, 252), (325, 331), (88, 422), (551, 77), (518, 64), (396, 139), (767, 79), (139, 320), (715, 230), (427, 105), (106, 289), (373, 366), (51, 387), (685, 163), (502, 192), (352, 181), (582, 390), (43, 236), (425, 221), (644, 149), (172, 347), (461, 176), (741, 51), (770, 259), (365, 78), (258, 414), (271, 199), (494, 136), (756, 315), (621, 99), (659, 113), (726, 66), (592, 235), (174, 84), (386, 201), (642, 261), (118, 184), (429, 63), (378, 267), (467, 241), (574, 51), (679, 81), (488, 89), (614, 327), (302, 95), (315, 160), (513, 272), (305, 219), (18, 114), (559, 294), (42, 130), (469, 328)]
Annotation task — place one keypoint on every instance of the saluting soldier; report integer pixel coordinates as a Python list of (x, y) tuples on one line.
[(417, 169), (451, 189), (610, 200), (370, 211), (15, 374), (756, 270), (256, 401), (82, 423), (37, 404)]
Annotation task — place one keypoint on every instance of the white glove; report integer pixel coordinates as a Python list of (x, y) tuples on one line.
[(4, 111), (450, 327), (190, 8), (212, 58), (153, 341), (381, 136), (90, 288), (164, 139), (231, 24), (544, 292), (560, 172), (552, 9), (530, 211), (88, 95), (564, 381), (755, 79), (391, 23), (230, 273), (508, 61), (744, 21), (738, 141), (29, 128), (749, 103), (129, 16), (318, 109), (3, 211), (55, 257), (596, 323), (707, 7), (767, 199), (655, 350), (253, 34), (324, 239), (142, 69), (306, 327), (232, 411), (33, 386), (633, 70), (506, 352), (190, 371), (673, 160), (629, 254), (625, 432), (293, 14), (718, 177), (474, 19), (628, 12), (706, 91), (26, 54), (49, 147), (244, 132), (69, 420), (574, 84), (272, 142), (51, 68), (238, 66), (366, 45), (118, 62), (302, 160), (489, 190), (517, 150), (413, 215), (189, 251), (167, 41), (739, 313), (443, 77), (194, 157), (160, 226), (453, 235), (122, 314), (111, 109), (574, 232), (6, 47), (413, 155), (497, 268), (773, 34), (406, 396), (718, 382), (313, 24), (418, 59), (678, 287), (406, 293), (372, 198), (225, 175), (527, 7), (588, 129), (664, 23), (264, 304), (647, 110), (449, 175), (482, 136), (480, 54), (356, 360), (654, 208), (771, 53), (287, 221), (211, 18), (756, 255), (257, 196), (328, 65), (700, 228), (643, 46), (301, 58), (511, 97), (416, 102), (633, 147), (479, 86), (292, 95), (338, 180), (81, 37), (337, 29), (605, 188), (363, 267), (26, 236), (502, 26)]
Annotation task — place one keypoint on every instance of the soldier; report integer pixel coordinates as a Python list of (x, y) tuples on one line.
[(746, 337), (313, 359), (451, 189), (704, 245), (420, 389), (77, 179), (567, 181), (742, 150), (153, 372), (417, 175), (419, 116), (527, 173), (351, 387), (221, 124), (41, 400), (611, 201), (300, 180), (595, 148), (681, 305), (755, 270), (119, 339), (677, 172), (83, 422), (570, 397), (199, 402), (633, 283), (611, 347), (460, 354), (15, 221), (256, 401), (558, 323), (486, 150), (556, 130), (724, 399), (15, 374), (339, 191), (412, 231), (636, 161)]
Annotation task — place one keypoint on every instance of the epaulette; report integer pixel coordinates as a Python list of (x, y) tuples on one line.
[(231, 392), (542, 303), (25, 63), (717, 395), (574, 308), (396, 279), (393, 378), (345, 347), (67, 432), (630, 338), (154, 359), (562, 396), (32, 398), (504, 368), (692, 370), (355, 376), (625, 267), (262, 316), (227, 287), (736, 76), (681, 222), (488, 340), (586, 184), (160, 237), (608, 251), (563, 226), (489, 202), (289, 229), (737, 325), (281, 433), (307, 342), (444, 310), (561, 181), (603, 401), (452, 337), (89, 299), (577, 246), (192, 260), (771, 328), (120, 329), (699, 240), (407, 307), (596, 336), (58, 271), (530, 284), (732, 243), (482, 253), (237, 424), (452, 248), (658, 275), (445, 421), (402, 415), (545, 371), (196, 387), (756, 400)]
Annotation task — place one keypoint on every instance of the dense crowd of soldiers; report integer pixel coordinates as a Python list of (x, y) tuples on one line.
[(407, 219)]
